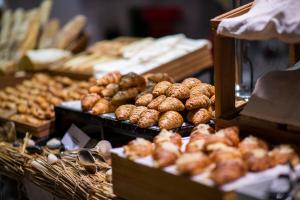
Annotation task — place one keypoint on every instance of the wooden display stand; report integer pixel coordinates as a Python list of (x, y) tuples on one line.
[(226, 113)]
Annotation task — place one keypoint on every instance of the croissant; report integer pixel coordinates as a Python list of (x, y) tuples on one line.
[(88, 101), (96, 89), (126, 96), (191, 82), (178, 91), (161, 88), (124, 112), (195, 102), (283, 154), (202, 89), (170, 120), (232, 133), (171, 103), (200, 116), (138, 148), (148, 118), (132, 80), (110, 90), (144, 100), (195, 145), (202, 129), (257, 160), (168, 136), (112, 77), (192, 164), (136, 112), (213, 100), (158, 77), (165, 154), (156, 102), (102, 106), (250, 142), (224, 153)]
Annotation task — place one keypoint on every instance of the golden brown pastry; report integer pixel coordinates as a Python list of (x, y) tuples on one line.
[(191, 82), (148, 118), (96, 89), (195, 145), (156, 102), (161, 88), (203, 89), (112, 77), (110, 90), (158, 77), (232, 133), (138, 148), (199, 116), (171, 103), (202, 129), (126, 96), (165, 154), (283, 154), (88, 101), (215, 142), (221, 152), (178, 91), (101, 107), (257, 160), (192, 164), (213, 100), (144, 100), (136, 113), (124, 112), (228, 171), (132, 80), (195, 102), (250, 142), (168, 136), (170, 120)]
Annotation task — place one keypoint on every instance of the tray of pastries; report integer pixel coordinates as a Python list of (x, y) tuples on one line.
[(209, 163)]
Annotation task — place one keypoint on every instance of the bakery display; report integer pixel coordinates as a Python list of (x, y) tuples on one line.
[(33, 100), (221, 155)]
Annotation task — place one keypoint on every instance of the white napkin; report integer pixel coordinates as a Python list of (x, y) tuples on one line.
[(267, 19)]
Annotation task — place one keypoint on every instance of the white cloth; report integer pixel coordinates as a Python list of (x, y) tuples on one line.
[(267, 19)]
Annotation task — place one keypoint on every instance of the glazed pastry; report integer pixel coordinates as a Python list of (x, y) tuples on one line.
[(200, 116), (257, 160), (195, 102), (132, 80), (191, 82), (165, 154), (112, 77), (126, 96), (178, 91), (88, 101), (168, 136), (221, 152), (110, 90), (161, 88), (192, 164), (170, 120), (232, 133), (136, 113), (158, 77), (148, 118), (202, 89), (101, 107), (96, 89), (124, 112), (195, 145), (144, 100), (156, 102), (283, 154), (171, 103), (202, 129), (250, 142), (138, 148), (228, 171)]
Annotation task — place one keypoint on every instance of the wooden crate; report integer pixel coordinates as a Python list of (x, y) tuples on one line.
[(226, 113)]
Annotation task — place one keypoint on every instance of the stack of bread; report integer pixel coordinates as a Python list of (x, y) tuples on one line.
[(221, 154)]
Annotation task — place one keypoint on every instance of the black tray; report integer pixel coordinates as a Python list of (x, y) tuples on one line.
[(105, 126)]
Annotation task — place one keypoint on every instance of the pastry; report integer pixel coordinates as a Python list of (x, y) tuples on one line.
[(101, 107), (195, 145), (169, 104), (170, 120), (168, 136), (132, 80), (202, 129), (158, 77), (257, 160), (148, 118), (138, 148), (96, 89), (195, 102), (156, 102), (165, 154), (213, 100), (191, 82), (221, 153), (161, 88), (250, 142), (110, 90), (136, 113), (192, 164), (112, 77), (124, 112), (88, 101), (178, 91), (144, 100), (232, 133), (283, 154), (126, 96), (199, 116), (202, 89)]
